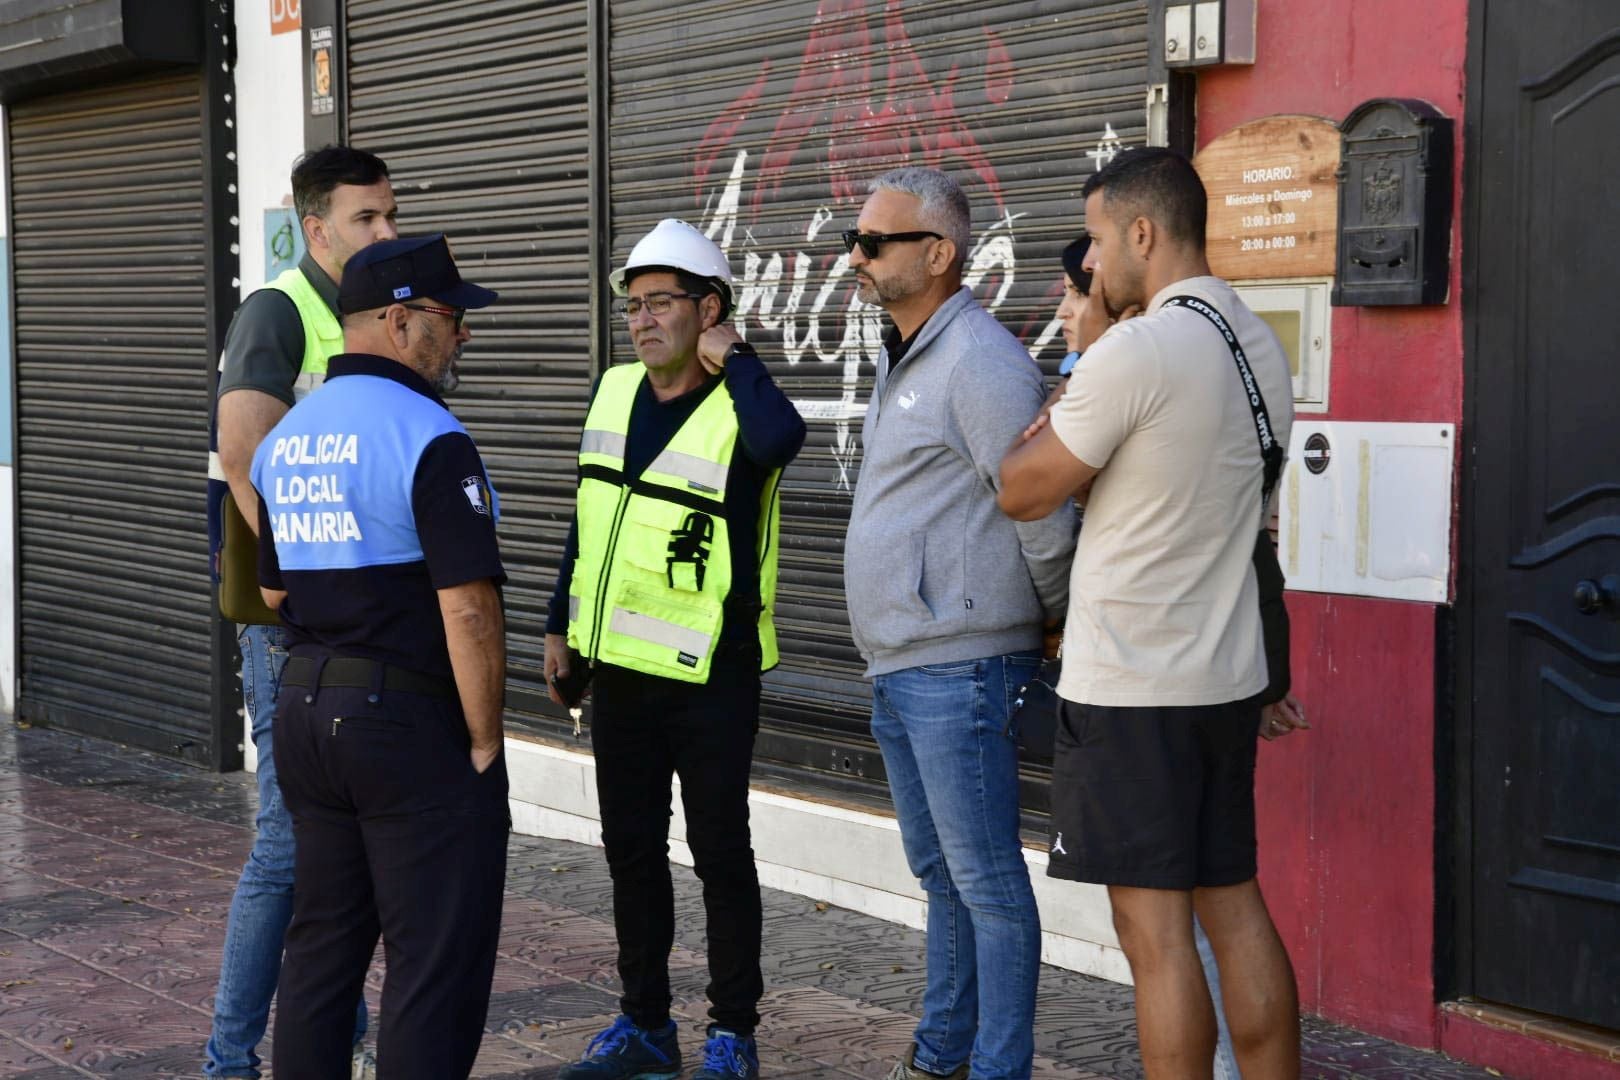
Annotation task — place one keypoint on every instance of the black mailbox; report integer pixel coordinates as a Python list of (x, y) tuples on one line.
[(1394, 204)]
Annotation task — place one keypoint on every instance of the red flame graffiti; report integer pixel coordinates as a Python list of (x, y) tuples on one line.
[(833, 96)]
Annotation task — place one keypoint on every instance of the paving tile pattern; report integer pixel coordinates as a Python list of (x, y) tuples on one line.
[(116, 871)]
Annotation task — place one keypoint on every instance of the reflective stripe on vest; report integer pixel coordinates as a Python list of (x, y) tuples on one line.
[(699, 475), (323, 334), (602, 443), (654, 565), (660, 632)]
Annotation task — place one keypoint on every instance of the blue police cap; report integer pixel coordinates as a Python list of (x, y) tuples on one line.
[(410, 268)]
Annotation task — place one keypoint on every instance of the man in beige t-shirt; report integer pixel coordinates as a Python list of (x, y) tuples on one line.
[(1153, 768), (1165, 609)]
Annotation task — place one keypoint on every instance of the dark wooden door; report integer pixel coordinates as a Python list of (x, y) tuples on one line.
[(1544, 510)]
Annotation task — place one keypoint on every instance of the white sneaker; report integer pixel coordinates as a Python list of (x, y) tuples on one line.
[(363, 1066)]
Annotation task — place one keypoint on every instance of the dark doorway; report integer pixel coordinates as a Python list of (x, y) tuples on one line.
[(1541, 577)]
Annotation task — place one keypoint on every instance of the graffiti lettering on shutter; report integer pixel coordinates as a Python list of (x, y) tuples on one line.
[(859, 102), (859, 124)]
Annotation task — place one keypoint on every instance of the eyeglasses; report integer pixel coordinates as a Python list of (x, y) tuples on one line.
[(455, 313), (871, 243), (658, 303)]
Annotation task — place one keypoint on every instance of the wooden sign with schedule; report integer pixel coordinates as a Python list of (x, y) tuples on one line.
[(1273, 198)]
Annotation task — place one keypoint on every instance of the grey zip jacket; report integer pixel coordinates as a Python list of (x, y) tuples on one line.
[(934, 572)]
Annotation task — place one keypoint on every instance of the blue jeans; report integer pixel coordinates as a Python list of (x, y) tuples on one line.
[(262, 906), (953, 771)]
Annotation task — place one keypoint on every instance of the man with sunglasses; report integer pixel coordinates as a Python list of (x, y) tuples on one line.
[(380, 556), (947, 602), (666, 591)]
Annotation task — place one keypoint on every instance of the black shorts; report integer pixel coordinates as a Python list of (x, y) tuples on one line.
[(1156, 797)]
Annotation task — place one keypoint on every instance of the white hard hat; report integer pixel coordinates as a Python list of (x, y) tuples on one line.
[(677, 245)]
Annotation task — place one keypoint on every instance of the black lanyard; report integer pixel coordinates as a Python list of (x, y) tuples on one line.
[(1271, 451)]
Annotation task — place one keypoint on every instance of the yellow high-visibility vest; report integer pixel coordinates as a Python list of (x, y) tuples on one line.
[(239, 598), (323, 334), (654, 565)]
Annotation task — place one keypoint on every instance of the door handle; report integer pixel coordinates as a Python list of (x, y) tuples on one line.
[(1593, 597)]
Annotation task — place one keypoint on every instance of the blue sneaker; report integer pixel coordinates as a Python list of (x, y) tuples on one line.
[(627, 1052), (728, 1056)]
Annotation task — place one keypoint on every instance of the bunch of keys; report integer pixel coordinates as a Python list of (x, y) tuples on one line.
[(570, 690)]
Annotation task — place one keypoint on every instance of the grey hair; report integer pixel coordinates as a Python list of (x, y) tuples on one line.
[(945, 208)]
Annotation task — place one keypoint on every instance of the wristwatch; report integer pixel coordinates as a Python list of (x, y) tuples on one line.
[(740, 348)]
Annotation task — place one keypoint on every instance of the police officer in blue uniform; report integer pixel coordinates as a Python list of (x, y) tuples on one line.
[(377, 526)]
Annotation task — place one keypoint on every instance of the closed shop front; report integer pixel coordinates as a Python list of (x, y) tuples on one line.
[(761, 123), (116, 255), (479, 108), (764, 122)]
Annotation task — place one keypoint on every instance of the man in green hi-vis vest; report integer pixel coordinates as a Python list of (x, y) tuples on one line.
[(666, 591), (275, 353)]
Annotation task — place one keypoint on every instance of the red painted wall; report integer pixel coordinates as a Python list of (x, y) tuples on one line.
[(1346, 815), (1511, 1053), (1347, 812), (1325, 58)]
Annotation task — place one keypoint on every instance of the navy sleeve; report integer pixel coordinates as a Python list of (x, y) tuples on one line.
[(557, 617), (769, 427), (455, 519), (269, 561)]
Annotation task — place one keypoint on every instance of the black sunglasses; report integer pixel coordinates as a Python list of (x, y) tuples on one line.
[(872, 242)]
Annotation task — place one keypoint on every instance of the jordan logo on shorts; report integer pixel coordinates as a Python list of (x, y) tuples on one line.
[(1057, 845)]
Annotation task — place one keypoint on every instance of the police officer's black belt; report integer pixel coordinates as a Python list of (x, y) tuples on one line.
[(351, 671)]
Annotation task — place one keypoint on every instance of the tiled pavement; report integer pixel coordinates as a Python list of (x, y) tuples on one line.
[(116, 870)]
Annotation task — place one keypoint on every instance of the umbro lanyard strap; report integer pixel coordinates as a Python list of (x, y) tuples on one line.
[(1271, 452)]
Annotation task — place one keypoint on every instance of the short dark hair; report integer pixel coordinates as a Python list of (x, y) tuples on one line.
[(1156, 183), (1074, 258), (689, 282), (316, 173)]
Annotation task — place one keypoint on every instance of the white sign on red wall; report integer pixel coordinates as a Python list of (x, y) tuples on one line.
[(286, 16)]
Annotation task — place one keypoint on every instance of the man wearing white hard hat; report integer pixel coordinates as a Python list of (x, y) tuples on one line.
[(663, 604)]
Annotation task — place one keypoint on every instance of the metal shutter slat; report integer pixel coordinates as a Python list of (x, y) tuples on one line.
[(479, 108), (112, 411)]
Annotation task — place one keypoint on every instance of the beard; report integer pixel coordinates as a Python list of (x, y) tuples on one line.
[(450, 375), (1123, 289), (340, 250), (430, 360), (898, 286)]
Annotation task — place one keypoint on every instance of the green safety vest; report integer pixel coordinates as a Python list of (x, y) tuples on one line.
[(654, 564), (238, 556), (323, 334)]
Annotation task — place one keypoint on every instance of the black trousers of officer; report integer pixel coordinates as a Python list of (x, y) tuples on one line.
[(396, 834), (644, 730)]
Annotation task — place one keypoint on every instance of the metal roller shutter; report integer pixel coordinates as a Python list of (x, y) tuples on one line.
[(479, 108), (107, 203), (763, 122)]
